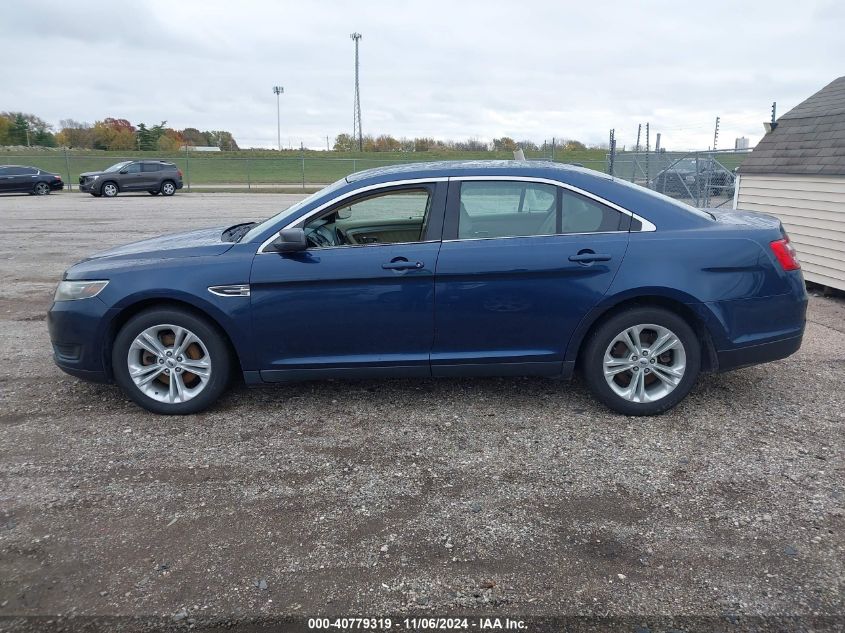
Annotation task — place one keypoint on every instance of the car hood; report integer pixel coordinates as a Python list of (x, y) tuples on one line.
[(198, 243), (91, 173)]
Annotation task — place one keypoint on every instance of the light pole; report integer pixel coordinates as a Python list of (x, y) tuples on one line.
[(278, 90)]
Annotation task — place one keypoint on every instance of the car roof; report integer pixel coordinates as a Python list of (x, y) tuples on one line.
[(528, 168)]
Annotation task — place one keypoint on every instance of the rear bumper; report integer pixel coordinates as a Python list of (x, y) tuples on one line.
[(57, 186), (756, 354)]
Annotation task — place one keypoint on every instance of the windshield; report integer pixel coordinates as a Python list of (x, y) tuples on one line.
[(117, 166), (258, 229)]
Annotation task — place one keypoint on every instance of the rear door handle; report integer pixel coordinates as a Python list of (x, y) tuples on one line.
[(402, 264), (588, 258)]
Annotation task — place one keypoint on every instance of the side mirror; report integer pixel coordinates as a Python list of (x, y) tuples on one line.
[(290, 241), (124, 171)]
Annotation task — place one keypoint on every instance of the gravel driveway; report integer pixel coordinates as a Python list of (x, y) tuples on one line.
[(497, 496)]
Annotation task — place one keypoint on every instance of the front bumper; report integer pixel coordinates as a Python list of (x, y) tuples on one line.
[(78, 335), (88, 186)]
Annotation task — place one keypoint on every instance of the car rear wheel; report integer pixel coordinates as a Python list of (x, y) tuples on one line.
[(109, 189), (168, 188), (41, 189), (642, 361), (171, 362)]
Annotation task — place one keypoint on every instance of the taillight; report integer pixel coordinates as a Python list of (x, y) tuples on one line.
[(179, 171), (785, 254)]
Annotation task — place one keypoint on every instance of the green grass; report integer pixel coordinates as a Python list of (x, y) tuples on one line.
[(265, 167)]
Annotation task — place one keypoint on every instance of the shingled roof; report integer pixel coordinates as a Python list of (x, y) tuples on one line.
[(807, 140)]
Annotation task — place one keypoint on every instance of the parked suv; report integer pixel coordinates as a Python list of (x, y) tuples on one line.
[(154, 176)]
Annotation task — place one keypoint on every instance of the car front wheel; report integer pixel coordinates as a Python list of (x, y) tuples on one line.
[(642, 361), (171, 361), (109, 190)]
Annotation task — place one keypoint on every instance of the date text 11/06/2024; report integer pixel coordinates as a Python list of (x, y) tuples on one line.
[(417, 624)]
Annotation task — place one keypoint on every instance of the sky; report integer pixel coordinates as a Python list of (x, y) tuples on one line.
[(448, 70)]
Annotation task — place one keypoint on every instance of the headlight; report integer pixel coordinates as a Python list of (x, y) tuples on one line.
[(71, 290)]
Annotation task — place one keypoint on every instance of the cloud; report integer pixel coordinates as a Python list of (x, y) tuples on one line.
[(443, 69)]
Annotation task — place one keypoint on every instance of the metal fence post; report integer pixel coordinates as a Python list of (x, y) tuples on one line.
[(67, 165), (187, 166), (248, 180), (302, 163)]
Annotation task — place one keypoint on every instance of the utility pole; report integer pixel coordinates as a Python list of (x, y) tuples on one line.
[(278, 90), (356, 115), (647, 150)]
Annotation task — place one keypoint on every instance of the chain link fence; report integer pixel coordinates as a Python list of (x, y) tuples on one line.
[(702, 179), (699, 178)]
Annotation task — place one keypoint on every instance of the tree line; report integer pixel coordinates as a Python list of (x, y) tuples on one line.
[(21, 128), (388, 143)]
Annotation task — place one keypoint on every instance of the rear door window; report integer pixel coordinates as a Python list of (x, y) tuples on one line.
[(152, 167), (506, 209), (585, 215)]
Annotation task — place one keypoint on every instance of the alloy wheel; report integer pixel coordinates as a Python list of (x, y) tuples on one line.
[(644, 363), (42, 189), (169, 363), (168, 189), (109, 190)]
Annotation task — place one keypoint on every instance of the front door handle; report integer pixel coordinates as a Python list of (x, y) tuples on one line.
[(402, 264), (589, 257)]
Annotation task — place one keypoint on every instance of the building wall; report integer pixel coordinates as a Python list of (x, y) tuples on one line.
[(812, 209)]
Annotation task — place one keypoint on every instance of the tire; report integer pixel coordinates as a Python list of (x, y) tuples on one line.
[(109, 189), (156, 390), (168, 188), (41, 189), (660, 389), (153, 193)]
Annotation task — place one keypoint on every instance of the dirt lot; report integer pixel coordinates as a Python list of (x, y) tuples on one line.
[(495, 496)]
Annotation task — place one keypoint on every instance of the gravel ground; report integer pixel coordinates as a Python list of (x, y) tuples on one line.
[(498, 496)]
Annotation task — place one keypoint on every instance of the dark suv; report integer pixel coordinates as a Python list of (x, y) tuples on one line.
[(154, 176)]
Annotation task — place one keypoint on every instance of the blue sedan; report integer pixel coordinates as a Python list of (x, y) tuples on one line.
[(441, 269)]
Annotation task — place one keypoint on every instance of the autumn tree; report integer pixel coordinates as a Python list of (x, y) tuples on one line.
[(345, 143), (75, 134), (114, 134), (27, 129), (170, 141), (572, 144)]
